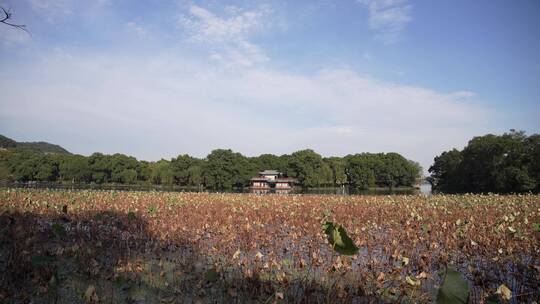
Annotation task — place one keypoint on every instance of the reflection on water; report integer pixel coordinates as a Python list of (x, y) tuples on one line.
[(348, 191), (424, 189)]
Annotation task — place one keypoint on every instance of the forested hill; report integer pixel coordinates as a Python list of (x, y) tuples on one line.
[(7, 143)]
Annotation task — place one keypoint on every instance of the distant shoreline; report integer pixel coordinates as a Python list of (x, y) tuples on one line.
[(175, 188)]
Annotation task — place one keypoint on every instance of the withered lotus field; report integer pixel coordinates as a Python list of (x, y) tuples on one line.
[(156, 247)]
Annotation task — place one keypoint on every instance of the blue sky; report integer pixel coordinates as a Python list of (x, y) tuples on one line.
[(154, 79)]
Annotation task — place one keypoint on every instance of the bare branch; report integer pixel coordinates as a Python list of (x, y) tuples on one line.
[(7, 16)]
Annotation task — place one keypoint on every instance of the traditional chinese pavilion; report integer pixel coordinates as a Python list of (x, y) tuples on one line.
[(272, 180)]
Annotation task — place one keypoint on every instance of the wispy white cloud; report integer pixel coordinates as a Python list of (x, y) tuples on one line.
[(136, 28), (388, 18), (178, 100), (463, 94), (10, 36), (207, 27), (56, 10), (63, 6), (228, 36), (53, 9), (184, 105)]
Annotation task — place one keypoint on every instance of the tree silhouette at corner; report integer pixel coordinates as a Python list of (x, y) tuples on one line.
[(5, 19)]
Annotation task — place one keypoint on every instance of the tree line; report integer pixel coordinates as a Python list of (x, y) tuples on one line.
[(508, 163), (221, 169)]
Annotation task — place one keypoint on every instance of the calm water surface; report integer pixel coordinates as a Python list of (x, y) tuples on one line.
[(424, 189)]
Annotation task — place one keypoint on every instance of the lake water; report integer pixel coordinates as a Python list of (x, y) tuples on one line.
[(424, 189)]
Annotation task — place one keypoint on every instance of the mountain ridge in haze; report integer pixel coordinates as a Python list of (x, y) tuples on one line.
[(42, 146)]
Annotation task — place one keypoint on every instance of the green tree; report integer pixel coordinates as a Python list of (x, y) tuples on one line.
[(337, 166), (119, 164), (494, 163), (308, 168), (532, 159), (100, 167), (28, 165), (162, 173), (75, 168), (5, 173), (128, 176), (396, 171), (225, 169), (195, 174), (186, 170), (445, 171), (267, 162), (359, 170), (144, 172), (490, 163)]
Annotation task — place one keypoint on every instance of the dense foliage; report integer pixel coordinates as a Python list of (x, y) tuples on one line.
[(509, 163), (6, 142), (41, 146), (221, 169), (169, 247)]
